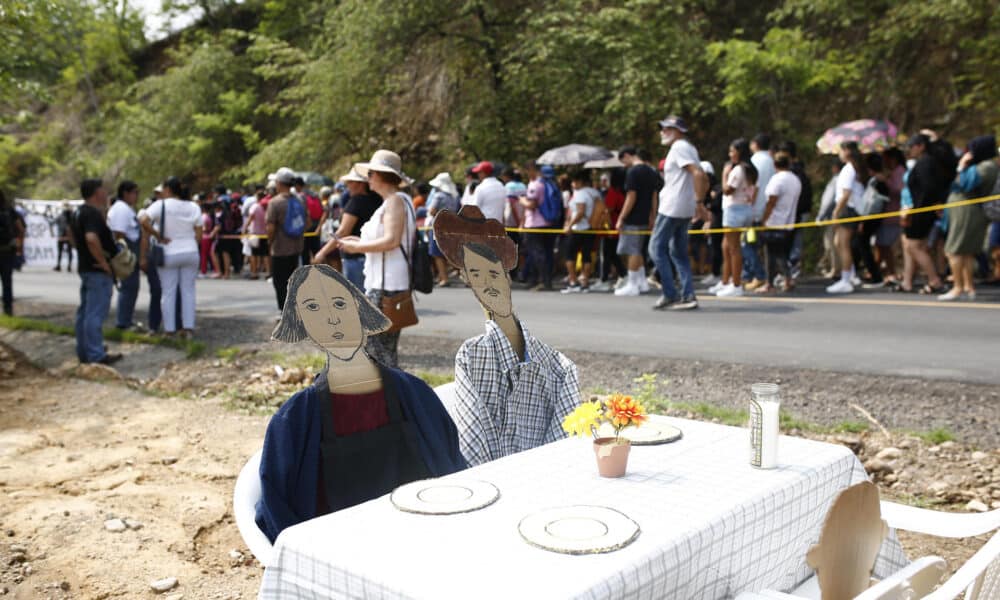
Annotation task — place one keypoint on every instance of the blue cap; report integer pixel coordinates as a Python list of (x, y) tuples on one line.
[(340, 187), (548, 171), (675, 122)]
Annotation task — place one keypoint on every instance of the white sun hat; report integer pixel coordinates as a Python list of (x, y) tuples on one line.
[(443, 182), (383, 161)]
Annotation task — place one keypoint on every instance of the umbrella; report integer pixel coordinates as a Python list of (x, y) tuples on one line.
[(574, 154), (607, 163), (315, 179), (871, 135)]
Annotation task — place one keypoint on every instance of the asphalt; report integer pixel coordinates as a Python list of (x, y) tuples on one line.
[(869, 332)]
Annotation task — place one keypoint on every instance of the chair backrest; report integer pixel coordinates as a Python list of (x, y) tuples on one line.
[(446, 393), (915, 580), (246, 493), (849, 542), (978, 578)]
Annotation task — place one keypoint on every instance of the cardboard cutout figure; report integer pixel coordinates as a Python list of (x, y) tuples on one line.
[(361, 429), (511, 390)]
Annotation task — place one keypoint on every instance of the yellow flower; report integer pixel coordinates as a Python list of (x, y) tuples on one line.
[(580, 421), (624, 411)]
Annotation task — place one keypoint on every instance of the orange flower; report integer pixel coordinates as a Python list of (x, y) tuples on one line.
[(624, 411)]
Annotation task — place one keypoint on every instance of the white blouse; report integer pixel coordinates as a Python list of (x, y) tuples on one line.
[(397, 269)]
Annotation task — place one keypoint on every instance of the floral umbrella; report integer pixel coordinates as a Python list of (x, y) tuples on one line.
[(871, 135)]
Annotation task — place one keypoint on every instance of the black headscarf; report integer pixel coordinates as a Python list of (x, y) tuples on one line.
[(982, 148)]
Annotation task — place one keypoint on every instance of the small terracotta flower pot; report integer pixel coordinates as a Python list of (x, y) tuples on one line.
[(612, 456)]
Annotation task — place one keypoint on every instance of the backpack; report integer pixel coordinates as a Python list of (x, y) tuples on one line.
[(992, 207), (600, 218), (232, 216), (552, 203), (873, 201), (295, 218)]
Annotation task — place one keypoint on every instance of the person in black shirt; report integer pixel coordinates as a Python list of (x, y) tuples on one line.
[(11, 249), (361, 205), (94, 245), (642, 186)]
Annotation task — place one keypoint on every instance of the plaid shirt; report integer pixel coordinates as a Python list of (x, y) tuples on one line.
[(502, 405)]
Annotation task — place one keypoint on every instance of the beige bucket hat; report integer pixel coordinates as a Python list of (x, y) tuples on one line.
[(443, 182), (384, 161), (353, 175)]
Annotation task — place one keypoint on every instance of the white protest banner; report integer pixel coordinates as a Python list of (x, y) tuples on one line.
[(41, 242)]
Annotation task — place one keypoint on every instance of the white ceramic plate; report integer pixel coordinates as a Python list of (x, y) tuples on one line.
[(650, 433), (444, 497), (579, 529)]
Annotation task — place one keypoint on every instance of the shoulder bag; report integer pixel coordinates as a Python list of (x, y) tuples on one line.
[(156, 248), (399, 307)]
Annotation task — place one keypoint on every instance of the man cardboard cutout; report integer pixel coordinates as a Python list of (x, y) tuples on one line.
[(361, 429), (511, 390)]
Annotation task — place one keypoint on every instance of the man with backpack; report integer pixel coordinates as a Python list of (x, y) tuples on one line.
[(543, 209), (286, 224), (314, 219)]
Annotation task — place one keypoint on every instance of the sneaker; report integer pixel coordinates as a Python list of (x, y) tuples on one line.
[(622, 282), (722, 288), (709, 279), (718, 286), (731, 291), (685, 304), (855, 280), (779, 280), (841, 287), (873, 285), (649, 283), (110, 359), (754, 284), (951, 296), (663, 303), (584, 289), (571, 289), (601, 286), (628, 289)]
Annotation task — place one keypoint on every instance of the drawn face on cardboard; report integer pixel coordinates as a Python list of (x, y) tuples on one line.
[(330, 316), (489, 281)]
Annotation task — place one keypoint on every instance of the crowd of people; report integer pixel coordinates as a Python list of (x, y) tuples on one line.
[(632, 229)]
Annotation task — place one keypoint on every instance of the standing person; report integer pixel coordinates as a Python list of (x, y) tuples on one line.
[(490, 195), (444, 196), (387, 242), (753, 266), (154, 317), (683, 184), (850, 189), (977, 174), (209, 229), (177, 222), (228, 230), (739, 181), (890, 230), (256, 226), (11, 248), (361, 205), (577, 232), (829, 263), (94, 244), (125, 226), (927, 184), (866, 230), (540, 244), (638, 214), (314, 220), (782, 201), (286, 224), (614, 200), (802, 210), (713, 206), (62, 241)]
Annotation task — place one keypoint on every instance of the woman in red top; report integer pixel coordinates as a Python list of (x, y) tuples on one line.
[(614, 199)]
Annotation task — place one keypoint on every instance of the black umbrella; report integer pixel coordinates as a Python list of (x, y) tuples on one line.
[(574, 154), (315, 179)]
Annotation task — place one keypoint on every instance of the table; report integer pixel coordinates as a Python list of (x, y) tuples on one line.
[(712, 526)]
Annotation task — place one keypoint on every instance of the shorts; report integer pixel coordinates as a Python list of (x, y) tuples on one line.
[(737, 215), (577, 243), (432, 246), (920, 226), (261, 249), (995, 235), (847, 213), (887, 234), (229, 246), (631, 244)]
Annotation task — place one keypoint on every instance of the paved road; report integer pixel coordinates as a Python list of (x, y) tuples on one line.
[(869, 332)]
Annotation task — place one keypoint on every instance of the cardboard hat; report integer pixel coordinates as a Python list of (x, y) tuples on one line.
[(453, 231)]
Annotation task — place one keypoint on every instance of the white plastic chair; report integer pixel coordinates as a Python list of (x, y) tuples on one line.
[(245, 497), (446, 393), (909, 583)]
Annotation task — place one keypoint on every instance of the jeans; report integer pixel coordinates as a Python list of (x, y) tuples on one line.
[(354, 271), (540, 246), (178, 271), (753, 266), (282, 268), (7, 281), (155, 317), (128, 293), (95, 302), (669, 249)]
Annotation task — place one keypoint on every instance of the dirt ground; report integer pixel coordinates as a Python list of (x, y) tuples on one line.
[(159, 449)]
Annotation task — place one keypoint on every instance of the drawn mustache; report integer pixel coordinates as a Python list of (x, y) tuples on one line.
[(492, 292)]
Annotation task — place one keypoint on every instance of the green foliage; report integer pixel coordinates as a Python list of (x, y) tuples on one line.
[(191, 348), (938, 435), (436, 379)]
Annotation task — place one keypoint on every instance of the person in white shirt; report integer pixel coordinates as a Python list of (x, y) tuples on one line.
[(490, 195), (753, 266), (177, 225), (684, 183), (850, 191), (124, 226), (782, 200), (578, 239)]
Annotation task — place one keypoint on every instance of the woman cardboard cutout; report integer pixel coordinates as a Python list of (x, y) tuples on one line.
[(361, 429), (511, 390)]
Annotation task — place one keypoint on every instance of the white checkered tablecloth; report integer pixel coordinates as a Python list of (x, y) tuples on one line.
[(712, 526)]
